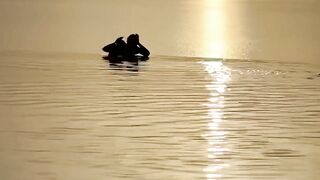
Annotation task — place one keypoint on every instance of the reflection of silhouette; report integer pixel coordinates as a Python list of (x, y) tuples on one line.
[(126, 66), (132, 52)]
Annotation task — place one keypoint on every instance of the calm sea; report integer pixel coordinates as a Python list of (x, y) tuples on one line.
[(250, 110), (74, 117)]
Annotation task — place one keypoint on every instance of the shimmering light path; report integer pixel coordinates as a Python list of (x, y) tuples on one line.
[(72, 117)]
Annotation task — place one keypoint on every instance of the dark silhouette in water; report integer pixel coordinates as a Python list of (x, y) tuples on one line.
[(116, 50), (134, 48), (132, 51)]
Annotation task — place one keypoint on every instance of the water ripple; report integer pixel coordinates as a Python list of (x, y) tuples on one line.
[(174, 118)]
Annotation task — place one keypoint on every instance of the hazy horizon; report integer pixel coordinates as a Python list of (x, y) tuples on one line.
[(250, 111), (263, 30)]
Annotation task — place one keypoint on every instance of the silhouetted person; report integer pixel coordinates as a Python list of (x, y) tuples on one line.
[(120, 51), (117, 51), (135, 48)]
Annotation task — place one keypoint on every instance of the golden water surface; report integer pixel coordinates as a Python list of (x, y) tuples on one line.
[(251, 113), (72, 117)]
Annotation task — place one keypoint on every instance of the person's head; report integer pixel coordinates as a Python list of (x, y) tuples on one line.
[(133, 39), (120, 42)]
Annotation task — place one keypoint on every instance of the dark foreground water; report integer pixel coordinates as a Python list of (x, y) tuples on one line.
[(72, 117)]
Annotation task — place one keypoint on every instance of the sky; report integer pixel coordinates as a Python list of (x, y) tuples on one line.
[(238, 29)]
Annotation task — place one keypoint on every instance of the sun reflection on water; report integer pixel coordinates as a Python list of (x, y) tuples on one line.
[(220, 76)]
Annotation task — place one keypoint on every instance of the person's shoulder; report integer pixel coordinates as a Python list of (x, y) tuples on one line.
[(108, 47)]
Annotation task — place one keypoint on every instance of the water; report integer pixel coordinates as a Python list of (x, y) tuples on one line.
[(72, 117), (249, 111)]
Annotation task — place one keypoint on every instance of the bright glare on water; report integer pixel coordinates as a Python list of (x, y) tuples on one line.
[(250, 111), (73, 117)]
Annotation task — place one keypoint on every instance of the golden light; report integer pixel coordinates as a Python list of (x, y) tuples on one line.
[(220, 76), (213, 25)]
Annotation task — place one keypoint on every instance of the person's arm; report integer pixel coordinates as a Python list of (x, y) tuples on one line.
[(108, 47), (143, 50)]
